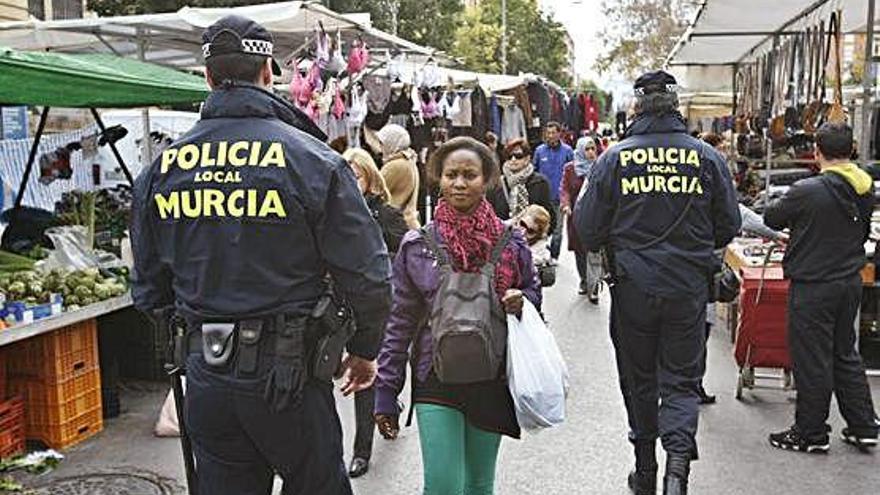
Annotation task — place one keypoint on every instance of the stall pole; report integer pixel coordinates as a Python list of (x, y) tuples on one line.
[(735, 89), (19, 196), (112, 145), (146, 141), (868, 81)]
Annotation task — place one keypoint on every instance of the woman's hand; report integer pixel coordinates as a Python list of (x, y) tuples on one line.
[(566, 211), (388, 426), (513, 301)]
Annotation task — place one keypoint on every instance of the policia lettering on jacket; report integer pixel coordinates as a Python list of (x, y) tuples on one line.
[(221, 163), (662, 167)]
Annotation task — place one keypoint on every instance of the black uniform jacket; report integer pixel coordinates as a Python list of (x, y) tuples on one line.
[(246, 214), (830, 217), (638, 189)]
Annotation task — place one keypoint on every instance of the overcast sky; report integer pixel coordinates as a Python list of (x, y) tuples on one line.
[(584, 20)]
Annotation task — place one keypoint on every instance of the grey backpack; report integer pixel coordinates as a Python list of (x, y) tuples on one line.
[(467, 321)]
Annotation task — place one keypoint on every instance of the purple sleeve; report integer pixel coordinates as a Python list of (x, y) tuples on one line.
[(530, 283), (407, 312)]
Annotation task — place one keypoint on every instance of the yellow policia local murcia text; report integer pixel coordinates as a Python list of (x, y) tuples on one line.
[(214, 161), (662, 171)]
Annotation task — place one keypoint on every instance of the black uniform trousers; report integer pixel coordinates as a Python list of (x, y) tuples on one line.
[(822, 340), (240, 443), (660, 343), (365, 425)]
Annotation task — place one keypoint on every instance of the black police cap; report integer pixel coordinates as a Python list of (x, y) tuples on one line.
[(237, 34), (657, 81)]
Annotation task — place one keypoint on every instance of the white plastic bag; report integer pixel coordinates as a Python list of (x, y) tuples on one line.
[(536, 373), (167, 425)]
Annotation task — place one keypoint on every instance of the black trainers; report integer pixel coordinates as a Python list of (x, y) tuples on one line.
[(584, 289), (860, 441), (791, 439)]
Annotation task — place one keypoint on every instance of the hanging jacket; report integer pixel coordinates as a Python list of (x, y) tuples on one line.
[(480, 114)]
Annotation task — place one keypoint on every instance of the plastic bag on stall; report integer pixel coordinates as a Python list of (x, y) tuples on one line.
[(537, 374), (72, 251)]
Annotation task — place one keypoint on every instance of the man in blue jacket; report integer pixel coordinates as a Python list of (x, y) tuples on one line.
[(659, 203), (238, 225), (550, 159)]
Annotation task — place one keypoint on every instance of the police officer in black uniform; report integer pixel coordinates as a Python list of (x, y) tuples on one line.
[(241, 225), (658, 203)]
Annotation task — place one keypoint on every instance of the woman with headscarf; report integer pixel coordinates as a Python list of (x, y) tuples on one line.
[(589, 265), (393, 228), (400, 172), (520, 185)]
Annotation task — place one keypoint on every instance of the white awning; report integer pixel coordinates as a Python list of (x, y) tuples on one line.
[(175, 38), (727, 32)]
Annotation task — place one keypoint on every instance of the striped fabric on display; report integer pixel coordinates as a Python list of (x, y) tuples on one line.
[(13, 160)]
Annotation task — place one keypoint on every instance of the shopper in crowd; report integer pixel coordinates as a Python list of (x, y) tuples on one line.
[(460, 426), (400, 171), (660, 241), (393, 226), (549, 160), (830, 218), (589, 265), (520, 185), (491, 140), (246, 286)]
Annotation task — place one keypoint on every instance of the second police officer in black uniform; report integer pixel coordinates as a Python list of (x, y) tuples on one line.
[(658, 203), (238, 225)]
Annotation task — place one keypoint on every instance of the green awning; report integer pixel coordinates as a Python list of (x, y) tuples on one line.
[(92, 81)]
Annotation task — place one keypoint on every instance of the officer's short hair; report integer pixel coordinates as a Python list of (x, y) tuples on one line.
[(656, 103), (241, 67), (835, 140), (487, 158)]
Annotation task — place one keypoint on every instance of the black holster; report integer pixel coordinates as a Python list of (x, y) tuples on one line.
[(333, 324)]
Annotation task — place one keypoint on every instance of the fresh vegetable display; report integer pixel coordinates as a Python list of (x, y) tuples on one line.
[(105, 213), (79, 288)]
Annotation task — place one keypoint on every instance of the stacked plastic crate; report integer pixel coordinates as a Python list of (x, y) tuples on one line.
[(11, 419), (58, 376)]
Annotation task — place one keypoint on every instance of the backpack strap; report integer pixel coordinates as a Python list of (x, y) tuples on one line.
[(498, 250), (438, 251)]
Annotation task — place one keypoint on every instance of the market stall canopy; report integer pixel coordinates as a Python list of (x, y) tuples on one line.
[(92, 81), (726, 33), (174, 38)]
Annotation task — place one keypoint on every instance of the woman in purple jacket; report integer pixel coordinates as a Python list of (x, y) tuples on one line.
[(463, 424)]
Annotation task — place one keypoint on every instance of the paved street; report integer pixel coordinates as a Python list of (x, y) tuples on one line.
[(588, 455)]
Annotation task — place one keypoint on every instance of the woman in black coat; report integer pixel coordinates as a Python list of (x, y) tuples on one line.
[(394, 227), (520, 186)]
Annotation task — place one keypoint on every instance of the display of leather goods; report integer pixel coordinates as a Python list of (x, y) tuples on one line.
[(817, 77), (836, 113)]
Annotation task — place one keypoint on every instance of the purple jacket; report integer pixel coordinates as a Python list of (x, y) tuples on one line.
[(415, 280)]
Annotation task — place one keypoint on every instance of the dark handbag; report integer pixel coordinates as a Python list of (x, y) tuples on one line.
[(547, 274), (725, 285)]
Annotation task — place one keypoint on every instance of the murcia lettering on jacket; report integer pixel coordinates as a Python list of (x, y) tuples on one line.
[(662, 171), (220, 163)]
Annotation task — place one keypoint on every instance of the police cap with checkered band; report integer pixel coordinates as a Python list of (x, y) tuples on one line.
[(237, 34), (657, 81)]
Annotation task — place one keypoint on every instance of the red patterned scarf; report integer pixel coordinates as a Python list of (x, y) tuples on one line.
[(469, 241)]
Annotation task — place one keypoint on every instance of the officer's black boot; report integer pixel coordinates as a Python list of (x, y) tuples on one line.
[(643, 481), (675, 482)]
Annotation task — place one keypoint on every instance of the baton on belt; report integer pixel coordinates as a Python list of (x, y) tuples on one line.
[(175, 367)]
